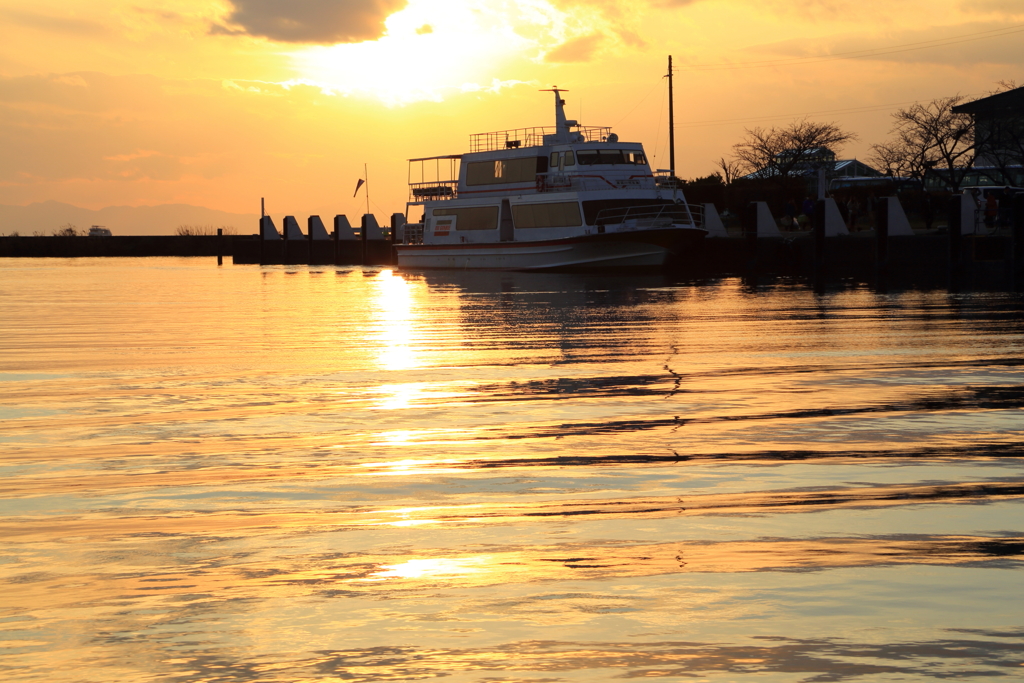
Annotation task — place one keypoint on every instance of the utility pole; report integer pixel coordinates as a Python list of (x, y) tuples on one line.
[(671, 124)]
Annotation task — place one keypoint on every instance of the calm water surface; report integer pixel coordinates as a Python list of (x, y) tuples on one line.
[(320, 474)]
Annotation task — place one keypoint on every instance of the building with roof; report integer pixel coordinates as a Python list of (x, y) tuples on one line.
[(806, 168), (998, 138)]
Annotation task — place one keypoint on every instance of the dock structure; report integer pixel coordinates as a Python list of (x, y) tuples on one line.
[(370, 244), (964, 247), (963, 252)]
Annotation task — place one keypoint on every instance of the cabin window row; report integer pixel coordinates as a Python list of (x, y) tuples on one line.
[(551, 215), (593, 157), (522, 170)]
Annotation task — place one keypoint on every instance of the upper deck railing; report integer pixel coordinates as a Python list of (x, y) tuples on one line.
[(656, 216), (530, 137)]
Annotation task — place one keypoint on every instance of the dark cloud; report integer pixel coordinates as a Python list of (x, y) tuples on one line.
[(575, 50), (310, 21)]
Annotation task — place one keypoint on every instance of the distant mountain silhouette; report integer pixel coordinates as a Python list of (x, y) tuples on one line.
[(46, 217)]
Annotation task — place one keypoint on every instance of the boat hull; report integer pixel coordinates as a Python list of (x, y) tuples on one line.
[(632, 250)]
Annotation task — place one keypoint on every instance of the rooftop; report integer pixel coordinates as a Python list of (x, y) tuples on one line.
[(1008, 101)]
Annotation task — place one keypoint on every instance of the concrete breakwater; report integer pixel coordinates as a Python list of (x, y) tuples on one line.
[(121, 245), (370, 244), (964, 249)]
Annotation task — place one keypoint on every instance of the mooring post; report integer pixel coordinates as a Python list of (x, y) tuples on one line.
[(956, 227), (748, 223), (882, 235), (362, 239), (818, 226), (397, 234), (337, 236), (309, 240), (263, 239), (1017, 249), (286, 258), (263, 214), (220, 246)]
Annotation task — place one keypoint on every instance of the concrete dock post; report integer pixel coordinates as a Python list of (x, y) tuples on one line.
[(1017, 250), (362, 239), (309, 238), (882, 224), (220, 246), (284, 245), (336, 235), (347, 248), (397, 234), (319, 253), (956, 226), (263, 241), (818, 227), (295, 241), (748, 223)]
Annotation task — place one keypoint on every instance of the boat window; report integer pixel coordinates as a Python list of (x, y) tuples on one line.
[(552, 215), (638, 158), (569, 160), (612, 156), (519, 170), (588, 157), (554, 160), (472, 217)]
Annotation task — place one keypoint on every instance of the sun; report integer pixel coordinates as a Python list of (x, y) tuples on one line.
[(431, 49)]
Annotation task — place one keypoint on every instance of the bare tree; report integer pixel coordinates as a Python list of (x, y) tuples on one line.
[(730, 170), (781, 152), (66, 230), (897, 160), (928, 136)]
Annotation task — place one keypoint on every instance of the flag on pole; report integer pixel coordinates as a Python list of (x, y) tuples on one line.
[(358, 185)]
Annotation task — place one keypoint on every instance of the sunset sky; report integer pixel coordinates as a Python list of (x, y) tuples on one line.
[(217, 103)]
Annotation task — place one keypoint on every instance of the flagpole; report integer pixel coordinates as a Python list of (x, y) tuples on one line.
[(366, 176)]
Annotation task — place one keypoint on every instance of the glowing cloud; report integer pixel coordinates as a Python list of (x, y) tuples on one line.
[(470, 44)]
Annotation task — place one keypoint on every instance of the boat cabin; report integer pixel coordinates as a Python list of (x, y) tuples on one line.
[(536, 184)]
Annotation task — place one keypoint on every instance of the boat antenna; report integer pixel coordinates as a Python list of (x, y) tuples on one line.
[(561, 123), (366, 175), (671, 123)]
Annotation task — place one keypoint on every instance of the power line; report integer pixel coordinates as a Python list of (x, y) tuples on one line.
[(860, 54), (849, 110)]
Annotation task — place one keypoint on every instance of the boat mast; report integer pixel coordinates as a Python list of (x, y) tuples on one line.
[(563, 126), (671, 124)]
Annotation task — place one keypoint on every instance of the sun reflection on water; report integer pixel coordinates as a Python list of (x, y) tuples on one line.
[(393, 317), (440, 567)]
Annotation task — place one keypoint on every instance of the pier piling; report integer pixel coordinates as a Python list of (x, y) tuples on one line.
[(1017, 240), (882, 224), (748, 223), (956, 214), (818, 227)]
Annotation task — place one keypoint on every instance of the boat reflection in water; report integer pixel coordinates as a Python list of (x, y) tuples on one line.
[(280, 474)]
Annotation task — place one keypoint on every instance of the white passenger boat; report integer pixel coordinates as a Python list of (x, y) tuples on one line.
[(570, 197)]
